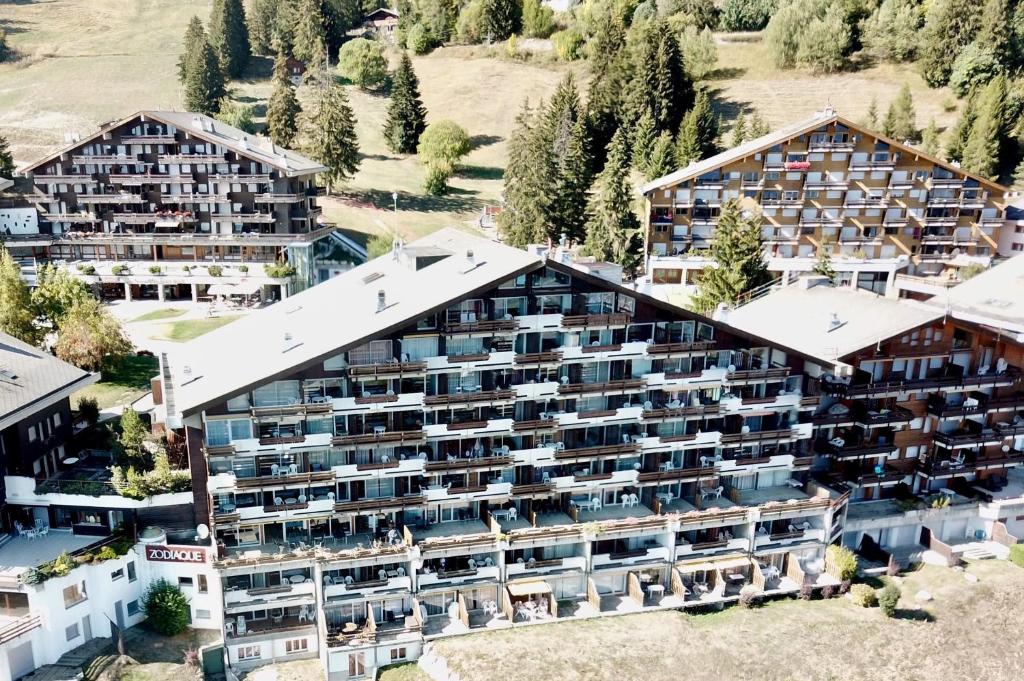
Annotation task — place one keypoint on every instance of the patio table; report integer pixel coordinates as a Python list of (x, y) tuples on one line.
[(70, 461), (500, 513), (297, 579), (656, 590)]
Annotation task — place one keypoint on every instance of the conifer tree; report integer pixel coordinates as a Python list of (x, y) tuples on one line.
[(931, 141), (739, 254), (962, 130), (564, 180), (996, 30), (283, 108), (229, 36), (739, 130), (663, 157), (612, 225), (406, 114), (901, 119), (195, 36), (332, 132), (6, 159), (675, 91), (521, 220), (758, 127), (573, 181), (644, 134), (698, 135), (204, 81), (949, 26), (609, 62), (871, 119), (501, 18), (310, 35), (983, 152)]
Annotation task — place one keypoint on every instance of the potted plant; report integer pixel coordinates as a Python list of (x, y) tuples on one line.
[(154, 269), (244, 269), (215, 270)]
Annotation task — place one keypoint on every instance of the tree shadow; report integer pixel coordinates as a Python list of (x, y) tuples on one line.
[(481, 172), (729, 109), (479, 141), (455, 201), (913, 614), (380, 157), (725, 73), (13, 26), (258, 69)]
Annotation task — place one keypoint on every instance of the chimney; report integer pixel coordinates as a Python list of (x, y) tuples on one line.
[(834, 322), (197, 122), (721, 313), (470, 260), (287, 340), (382, 303)]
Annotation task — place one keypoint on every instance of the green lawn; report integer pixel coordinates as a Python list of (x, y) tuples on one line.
[(187, 329), (122, 384), (157, 315), (782, 641)]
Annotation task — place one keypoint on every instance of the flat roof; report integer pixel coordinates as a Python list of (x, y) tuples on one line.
[(335, 315), (30, 377), (256, 147), (802, 318), (993, 298), (22, 553)]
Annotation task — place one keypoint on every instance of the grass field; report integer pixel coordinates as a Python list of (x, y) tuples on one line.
[(187, 329), (157, 315), (89, 61), (785, 640), (402, 672), (122, 384)]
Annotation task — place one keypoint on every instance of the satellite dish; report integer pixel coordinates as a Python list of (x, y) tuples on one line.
[(202, 531)]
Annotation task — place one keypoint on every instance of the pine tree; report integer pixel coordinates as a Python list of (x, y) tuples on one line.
[(985, 144), (758, 127), (195, 37), (501, 18), (889, 122), (871, 120), (658, 82), (406, 114), (644, 134), (739, 254), (663, 157), (698, 135), (739, 130), (609, 63), (6, 159), (521, 221), (283, 107), (674, 89), (310, 35), (204, 81), (901, 119), (949, 26), (229, 36), (931, 141), (332, 133), (962, 130), (574, 180), (16, 316), (996, 33), (823, 266), (564, 186), (612, 225), (1018, 175)]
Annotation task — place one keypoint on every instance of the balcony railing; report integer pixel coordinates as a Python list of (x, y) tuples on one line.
[(620, 385), (676, 349), (470, 397), (387, 369), (386, 437), (596, 320), (888, 416), (598, 453), (967, 439), (482, 326)]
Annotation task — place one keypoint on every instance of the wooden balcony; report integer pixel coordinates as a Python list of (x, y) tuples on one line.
[(532, 489), (855, 451), (1006, 402), (968, 439), (536, 359), (757, 436), (616, 386), (594, 321), (483, 326), (387, 369), (190, 158), (381, 504), (283, 440), (293, 409), (671, 414), (534, 425), (757, 375), (482, 464), (678, 349), (285, 479), (480, 396), (376, 399), (387, 437), (892, 415), (598, 453), (676, 474)]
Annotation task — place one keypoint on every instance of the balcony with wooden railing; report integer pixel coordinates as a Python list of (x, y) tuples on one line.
[(598, 453), (467, 397), (612, 386), (536, 359), (389, 437), (486, 463), (594, 321), (482, 326), (756, 375), (390, 368), (380, 504), (679, 349)]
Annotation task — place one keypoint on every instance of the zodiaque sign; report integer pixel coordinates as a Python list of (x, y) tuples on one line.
[(176, 554)]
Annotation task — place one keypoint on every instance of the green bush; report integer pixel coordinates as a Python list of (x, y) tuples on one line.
[(166, 608), (750, 596), (87, 270), (244, 269), (62, 564), (845, 561), (89, 408), (215, 270), (419, 39), (154, 269), (118, 270), (435, 181), (863, 595), (889, 599), (279, 270), (1017, 555), (363, 62), (568, 44)]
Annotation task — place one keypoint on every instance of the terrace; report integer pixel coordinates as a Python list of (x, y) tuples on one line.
[(21, 553)]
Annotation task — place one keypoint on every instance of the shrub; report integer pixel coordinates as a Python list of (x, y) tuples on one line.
[(106, 553), (118, 270), (469, 21), (63, 564), (443, 141), (845, 561), (889, 599), (154, 269), (975, 66), (215, 270), (828, 591), (419, 39), (89, 409), (750, 596), (363, 62), (568, 44), (1017, 555), (166, 607), (864, 596), (435, 181), (185, 269), (970, 271), (538, 19), (279, 270), (244, 269), (806, 592)]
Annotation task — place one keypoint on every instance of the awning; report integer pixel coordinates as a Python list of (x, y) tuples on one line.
[(722, 564), (247, 288), (220, 289), (528, 587)]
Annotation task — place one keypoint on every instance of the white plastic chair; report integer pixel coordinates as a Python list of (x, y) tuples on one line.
[(349, 581), (472, 564), (382, 575), (278, 501), (634, 500), (512, 513), (275, 470), (293, 469), (625, 500), (595, 504), (302, 498), (240, 627), (545, 477), (488, 561), (401, 572)]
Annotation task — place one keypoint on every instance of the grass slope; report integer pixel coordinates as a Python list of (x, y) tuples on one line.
[(187, 329), (121, 384), (157, 315)]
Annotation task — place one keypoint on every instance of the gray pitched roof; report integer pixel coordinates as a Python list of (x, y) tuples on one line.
[(30, 377), (290, 163)]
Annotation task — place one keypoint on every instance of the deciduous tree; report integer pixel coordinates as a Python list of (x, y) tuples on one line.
[(89, 335), (16, 311), (56, 294), (362, 61), (891, 32)]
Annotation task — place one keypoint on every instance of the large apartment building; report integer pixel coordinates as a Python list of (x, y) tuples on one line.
[(880, 208), (921, 401), (166, 204), (461, 435)]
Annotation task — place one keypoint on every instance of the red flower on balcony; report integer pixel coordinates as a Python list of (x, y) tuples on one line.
[(797, 165)]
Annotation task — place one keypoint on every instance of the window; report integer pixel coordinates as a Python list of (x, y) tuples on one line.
[(56, 420), (184, 581), (131, 572), (117, 574), (74, 594), (133, 608), (239, 403), (71, 632), (202, 614), (397, 654), (203, 586), (298, 645), (1017, 247), (32, 435), (356, 664), (248, 653)]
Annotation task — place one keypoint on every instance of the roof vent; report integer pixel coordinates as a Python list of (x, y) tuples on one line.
[(721, 313), (186, 370), (382, 301), (245, 143), (197, 122), (834, 323), (471, 263)]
